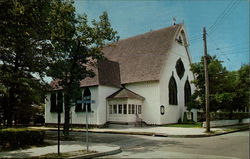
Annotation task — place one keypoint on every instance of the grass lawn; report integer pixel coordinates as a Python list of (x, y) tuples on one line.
[(187, 125)]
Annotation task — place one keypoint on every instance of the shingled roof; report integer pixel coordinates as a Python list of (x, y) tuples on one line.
[(106, 73), (137, 59), (142, 57), (125, 93)]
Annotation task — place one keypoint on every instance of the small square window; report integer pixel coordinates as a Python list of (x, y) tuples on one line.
[(124, 108), (120, 109), (129, 109), (133, 109), (115, 109), (139, 109)]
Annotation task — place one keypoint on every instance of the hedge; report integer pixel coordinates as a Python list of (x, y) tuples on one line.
[(12, 137), (222, 116)]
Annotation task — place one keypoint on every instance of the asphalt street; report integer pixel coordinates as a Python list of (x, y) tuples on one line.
[(229, 146)]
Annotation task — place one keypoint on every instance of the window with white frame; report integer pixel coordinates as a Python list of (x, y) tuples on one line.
[(124, 108), (129, 109), (139, 109), (120, 109), (110, 109), (133, 109), (115, 109)]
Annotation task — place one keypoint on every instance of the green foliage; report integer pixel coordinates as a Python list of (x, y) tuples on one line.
[(20, 137), (186, 125), (24, 52), (228, 90), (185, 117), (201, 116), (77, 45)]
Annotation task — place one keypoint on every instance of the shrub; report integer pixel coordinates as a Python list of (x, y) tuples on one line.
[(222, 116), (20, 137)]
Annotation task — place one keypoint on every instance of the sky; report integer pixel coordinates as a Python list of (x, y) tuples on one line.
[(226, 22)]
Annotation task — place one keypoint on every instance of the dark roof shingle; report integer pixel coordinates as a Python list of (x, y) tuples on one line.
[(125, 93), (142, 57), (107, 73)]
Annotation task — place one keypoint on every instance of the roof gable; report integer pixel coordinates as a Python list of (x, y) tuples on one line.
[(125, 93)]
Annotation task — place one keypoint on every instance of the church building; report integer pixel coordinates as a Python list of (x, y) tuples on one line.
[(146, 78)]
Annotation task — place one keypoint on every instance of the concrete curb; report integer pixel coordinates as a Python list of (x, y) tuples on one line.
[(113, 152), (160, 134), (174, 136), (207, 135)]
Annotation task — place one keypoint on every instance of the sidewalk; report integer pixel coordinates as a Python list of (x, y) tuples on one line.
[(66, 146), (164, 131)]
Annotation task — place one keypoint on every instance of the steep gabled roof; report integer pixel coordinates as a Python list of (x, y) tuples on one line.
[(136, 59), (142, 57), (106, 73), (125, 93)]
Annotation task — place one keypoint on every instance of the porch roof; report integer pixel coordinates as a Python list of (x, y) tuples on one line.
[(125, 93)]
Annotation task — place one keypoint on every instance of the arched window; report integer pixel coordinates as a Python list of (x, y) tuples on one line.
[(60, 101), (53, 102), (172, 91), (78, 107), (187, 92), (87, 96), (180, 68)]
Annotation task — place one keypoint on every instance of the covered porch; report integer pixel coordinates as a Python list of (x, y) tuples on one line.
[(124, 106)]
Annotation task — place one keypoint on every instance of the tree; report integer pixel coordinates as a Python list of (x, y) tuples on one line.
[(242, 87), (217, 77), (228, 90), (77, 44), (24, 49)]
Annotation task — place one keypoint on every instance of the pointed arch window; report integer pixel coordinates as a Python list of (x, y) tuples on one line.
[(60, 101), (78, 107), (187, 92), (172, 91), (87, 96), (53, 102), (56, 102)]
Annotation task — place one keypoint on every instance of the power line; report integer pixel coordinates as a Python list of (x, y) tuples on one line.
[(221, 15), (232, 51), (229, 9), (236, 46)]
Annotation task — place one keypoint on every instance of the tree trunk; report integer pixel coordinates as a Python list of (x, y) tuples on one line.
[(9, 108)]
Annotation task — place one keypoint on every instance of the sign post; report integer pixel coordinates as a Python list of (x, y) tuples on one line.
[(58, 132), (86, 101)]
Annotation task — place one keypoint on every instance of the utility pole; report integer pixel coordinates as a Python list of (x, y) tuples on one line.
[(206, 81)]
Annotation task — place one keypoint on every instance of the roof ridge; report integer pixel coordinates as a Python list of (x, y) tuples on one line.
[(158, 30)]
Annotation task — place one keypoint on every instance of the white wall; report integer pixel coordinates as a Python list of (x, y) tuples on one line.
[(80, 117), (50, 117), (77, 117), (103, 93), (151, 104), (174, 112), (96, 117)]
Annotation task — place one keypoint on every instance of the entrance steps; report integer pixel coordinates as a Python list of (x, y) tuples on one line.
[(125, 125)]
